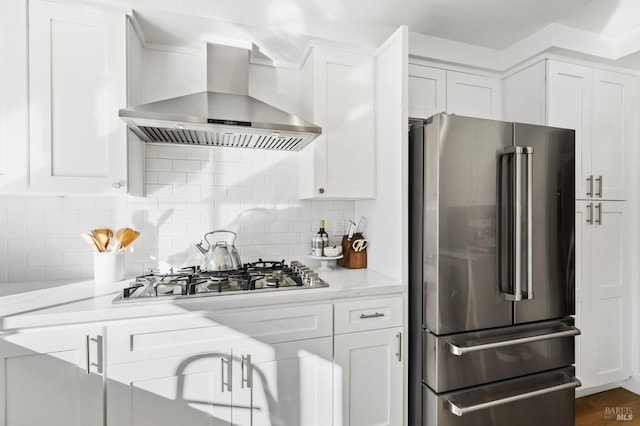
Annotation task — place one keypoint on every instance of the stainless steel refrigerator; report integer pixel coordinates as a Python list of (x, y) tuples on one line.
[(491, 291)]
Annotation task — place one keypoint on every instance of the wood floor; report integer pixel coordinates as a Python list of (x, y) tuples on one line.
[(614, 407)]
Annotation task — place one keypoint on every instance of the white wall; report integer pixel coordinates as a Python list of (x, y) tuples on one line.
[(190, 191)]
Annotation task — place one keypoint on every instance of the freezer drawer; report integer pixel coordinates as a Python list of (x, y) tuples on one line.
[(540, 399), (468, 359)]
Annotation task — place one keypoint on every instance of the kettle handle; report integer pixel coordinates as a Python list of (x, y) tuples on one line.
[(219, 231)]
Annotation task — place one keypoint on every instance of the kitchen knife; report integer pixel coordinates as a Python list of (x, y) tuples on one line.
[(361, 224), (351, 229)]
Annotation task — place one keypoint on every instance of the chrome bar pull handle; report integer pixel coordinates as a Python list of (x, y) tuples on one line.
[(460, 411), (599, 182), (590, 213), (375, 315), (520, 247), (399, 353), (461, 350), (598, 219), (248, 380), (590, 182), (225, 365), (528, 154), (88, 349)]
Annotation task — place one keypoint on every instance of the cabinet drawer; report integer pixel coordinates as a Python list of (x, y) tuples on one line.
[(370, 314), (169, 336)]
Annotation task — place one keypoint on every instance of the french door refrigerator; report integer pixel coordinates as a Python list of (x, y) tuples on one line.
[(491, 292)]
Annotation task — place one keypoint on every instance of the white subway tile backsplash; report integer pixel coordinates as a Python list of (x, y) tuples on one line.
[(44, 258), (22, 216), (78, 203), (13, 260), (43, 231), (186, 165), (159, 191), (158, 164), (40, 203), (170, 151), (172, 177), (19, 273), (61, 272), (190, 191)]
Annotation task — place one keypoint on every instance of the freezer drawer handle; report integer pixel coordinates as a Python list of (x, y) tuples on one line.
[(459, 411), (461, 350)]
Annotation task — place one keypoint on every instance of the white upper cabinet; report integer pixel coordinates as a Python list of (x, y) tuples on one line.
[(612, 135), (14, 115), (434, 90), (338, 91), (427, 91), (597, 104), (77, 77), (473, 95)]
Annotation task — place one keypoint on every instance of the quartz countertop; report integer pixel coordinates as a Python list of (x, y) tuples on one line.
[(38, 304)]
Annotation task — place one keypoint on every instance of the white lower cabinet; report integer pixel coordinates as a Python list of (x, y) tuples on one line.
[(368, 372), (368, 363), (279, 384), (52, 377), (603, 292), (262, 367)]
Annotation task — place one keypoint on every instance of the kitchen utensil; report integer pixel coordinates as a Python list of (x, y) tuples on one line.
[(89, 239), (213, 258), (359, 244), (350, 229), (124, 237), (103, 235), (361, 225)]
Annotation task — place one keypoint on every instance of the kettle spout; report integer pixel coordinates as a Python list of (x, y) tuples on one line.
[(201, 249)]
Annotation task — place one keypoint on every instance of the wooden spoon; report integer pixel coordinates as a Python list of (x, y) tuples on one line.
[(103, 235), (129, 236), (91, 241)]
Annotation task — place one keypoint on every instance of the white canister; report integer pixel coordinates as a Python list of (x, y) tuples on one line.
[(108, 266)]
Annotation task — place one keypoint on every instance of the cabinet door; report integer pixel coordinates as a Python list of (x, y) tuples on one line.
[(52, 377), (605, 320), (368, 374), (14, 151), (427, 91), (284, 384), (473, 95), (569, 97), (340, 162), (77, 74), (612, 134), (193, 390)]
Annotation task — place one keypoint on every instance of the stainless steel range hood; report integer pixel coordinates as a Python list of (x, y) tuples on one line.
[(224, 115)]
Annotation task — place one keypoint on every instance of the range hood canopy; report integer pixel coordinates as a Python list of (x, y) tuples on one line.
[(224, 115)]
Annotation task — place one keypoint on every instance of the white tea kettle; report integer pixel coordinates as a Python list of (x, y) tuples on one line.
[(221, 255)]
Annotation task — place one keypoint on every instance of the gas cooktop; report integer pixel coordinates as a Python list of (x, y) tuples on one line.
[(261, 276)]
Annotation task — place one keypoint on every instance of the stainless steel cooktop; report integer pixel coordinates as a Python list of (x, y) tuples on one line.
[(261, 276)]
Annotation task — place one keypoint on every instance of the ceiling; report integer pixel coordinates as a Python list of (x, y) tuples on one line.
[(281, 28)]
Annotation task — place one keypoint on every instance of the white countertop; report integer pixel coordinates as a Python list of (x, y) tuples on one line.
[(40, 304)]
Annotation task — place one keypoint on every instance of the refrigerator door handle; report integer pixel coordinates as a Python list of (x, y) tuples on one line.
[(461, 350), (460, 411), (528, 153), (515, 247)]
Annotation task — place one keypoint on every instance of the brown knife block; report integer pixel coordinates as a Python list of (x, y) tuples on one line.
[(350, 258)]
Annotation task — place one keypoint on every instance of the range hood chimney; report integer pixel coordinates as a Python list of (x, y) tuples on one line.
[(224, 115)]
